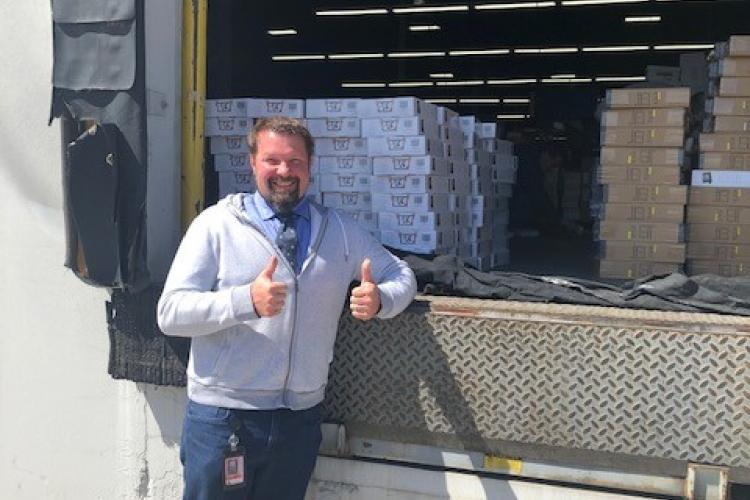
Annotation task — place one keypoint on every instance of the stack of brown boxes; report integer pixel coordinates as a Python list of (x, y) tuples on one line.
[(718, 211), (640, 225)]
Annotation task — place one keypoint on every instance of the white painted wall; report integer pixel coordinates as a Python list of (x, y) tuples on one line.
[(67, 430)]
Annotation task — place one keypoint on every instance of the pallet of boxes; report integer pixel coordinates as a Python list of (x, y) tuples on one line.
[(640, 224), (718, 212)]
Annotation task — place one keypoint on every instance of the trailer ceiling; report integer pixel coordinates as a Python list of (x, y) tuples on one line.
[(241, 50)]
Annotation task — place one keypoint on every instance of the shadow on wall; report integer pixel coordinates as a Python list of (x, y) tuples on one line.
[(167, 406)]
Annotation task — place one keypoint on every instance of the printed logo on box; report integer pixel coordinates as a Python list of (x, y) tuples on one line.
[(333, 106), (706, 177), (397, 182), (234, 142), (242, 178), (341, 144), (405, 219), (346, 181), (400, 200), (349, 198), (334, 125), (345, 162), (237, 160), (389, 125), (401, 163), (275, 106), (396, 143), (407, 238), (384, 106)]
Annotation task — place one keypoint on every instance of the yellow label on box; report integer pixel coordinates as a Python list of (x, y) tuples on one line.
[(511, 465)]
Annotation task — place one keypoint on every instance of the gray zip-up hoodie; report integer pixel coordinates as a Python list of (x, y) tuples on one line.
[(239, 360)]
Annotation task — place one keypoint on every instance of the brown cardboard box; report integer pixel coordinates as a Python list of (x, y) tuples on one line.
[(664, 232), (734, 66), (732, 124), (653, 117), (632, 269), (739, 45), (733, 86), (643, 251), (724, 215), (738, 106), (718, 233), (717, 251), (667, 97), (644, 136), (621, 174), (644, 193), (641, 156), (724, 161), (726, 143), (643, 212), (726, 269), (719, 197)]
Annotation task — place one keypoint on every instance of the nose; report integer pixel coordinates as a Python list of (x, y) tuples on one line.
[(283, 169)]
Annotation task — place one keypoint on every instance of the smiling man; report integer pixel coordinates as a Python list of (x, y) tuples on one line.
[(259, 283)]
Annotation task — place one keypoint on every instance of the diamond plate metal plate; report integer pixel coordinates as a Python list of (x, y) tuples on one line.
[(652, 389)]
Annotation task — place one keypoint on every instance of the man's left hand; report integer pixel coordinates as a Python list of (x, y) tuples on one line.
[(365, 300)]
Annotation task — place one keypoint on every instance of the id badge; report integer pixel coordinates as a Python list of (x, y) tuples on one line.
[(234, 468)]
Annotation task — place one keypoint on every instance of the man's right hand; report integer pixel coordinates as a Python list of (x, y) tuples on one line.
[(268, 296)]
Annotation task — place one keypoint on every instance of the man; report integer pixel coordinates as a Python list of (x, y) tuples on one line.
[(259, 283)]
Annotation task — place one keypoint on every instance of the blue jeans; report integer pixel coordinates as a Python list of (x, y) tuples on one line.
[(281, 447)]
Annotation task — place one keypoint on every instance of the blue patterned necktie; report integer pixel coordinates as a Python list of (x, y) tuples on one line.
[(286, 240)]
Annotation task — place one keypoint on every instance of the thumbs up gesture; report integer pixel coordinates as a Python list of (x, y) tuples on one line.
[(268, 295), (365, 299)]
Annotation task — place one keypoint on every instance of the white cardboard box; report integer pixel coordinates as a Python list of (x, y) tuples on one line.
[(227, 125), (467, 124), (228, 144), (257, 108), (395, 106), (409, 165), (239, 162), (368, 220), (506, 175), (427, 221), (404, 146), (226, 107), (341, 146), (348, 201), (325, 108), (399, 126), (235, 182), (334, 127), (481, 173), (345, 183), (477, 156), (394, 184), (411, 202), (418, 241), (447, 117), (721, 178), (344, 164), (485, 130)]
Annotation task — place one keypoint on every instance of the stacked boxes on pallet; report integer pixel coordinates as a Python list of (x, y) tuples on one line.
[(718, 213), (640, 220)]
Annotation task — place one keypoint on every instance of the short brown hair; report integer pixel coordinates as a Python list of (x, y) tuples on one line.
[(281, 125)]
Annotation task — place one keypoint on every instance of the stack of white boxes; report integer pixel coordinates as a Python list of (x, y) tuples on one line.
[(228, 122), (492, 167), (718, 211)]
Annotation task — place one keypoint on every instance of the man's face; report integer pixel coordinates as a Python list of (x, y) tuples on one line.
[(282, 169)]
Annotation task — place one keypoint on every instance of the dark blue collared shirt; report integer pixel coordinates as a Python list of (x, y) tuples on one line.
[(264, 217)]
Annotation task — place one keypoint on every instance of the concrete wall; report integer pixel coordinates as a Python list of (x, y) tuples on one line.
[(67, 430)]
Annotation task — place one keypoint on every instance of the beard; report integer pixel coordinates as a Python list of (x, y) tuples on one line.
[(282, 201)]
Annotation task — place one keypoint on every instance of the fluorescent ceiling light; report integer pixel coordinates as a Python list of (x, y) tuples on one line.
[(311, 57), (441, 101), (362, 85), (563, 75), (424, 27), (479, 100), (355, 56), (282, 32), (566, 80), (620, 79), (513, 5), (416, 54), (642, 19), (350, 12), (516, 100), (615, 48), (411, 84), (576, 3), (548, 50), (685, 46), (444, 8), (515, 81), (511, 117), (478, 52), (457, 83), (441, 75)]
